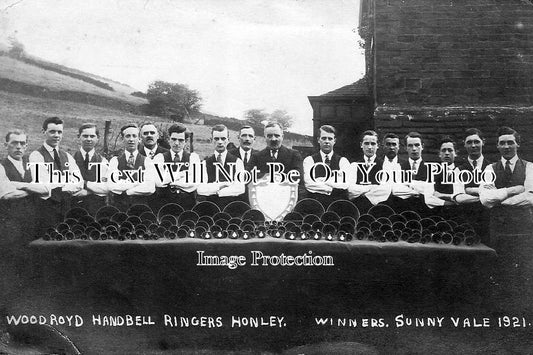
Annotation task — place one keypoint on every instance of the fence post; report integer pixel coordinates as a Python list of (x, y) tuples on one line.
[(107, 131), (191, 140)]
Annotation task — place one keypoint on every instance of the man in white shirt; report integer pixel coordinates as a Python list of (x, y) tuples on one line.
[(93, 168), (131, 176), (366, 194), (513, 185), (442, 195), (216, 187), (176, 182), (318, 185), (149, 146), (66, 177)]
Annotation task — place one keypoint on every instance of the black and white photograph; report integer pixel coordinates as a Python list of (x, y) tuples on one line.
[(266, 177)]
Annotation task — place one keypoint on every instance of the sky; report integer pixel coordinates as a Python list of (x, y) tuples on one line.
[(239, 54)]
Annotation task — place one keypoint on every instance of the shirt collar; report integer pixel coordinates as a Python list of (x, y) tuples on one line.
[(242, 152), (371, 159), (512, 161), (393, 161), (49, 148), (128, 153), (91, 153), (18, 165), (173, 154), (147, 151), (479, 161), (418, 161), (324, 155), (224, 154)]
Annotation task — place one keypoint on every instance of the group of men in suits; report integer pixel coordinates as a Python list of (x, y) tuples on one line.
[(146, 172), (408, 183)]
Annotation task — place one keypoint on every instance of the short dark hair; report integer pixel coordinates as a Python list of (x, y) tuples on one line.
[(391, 135), (369, 132), (246, 127), (86, 126), (15, 131), (273, 124), (328, 129), (507, 130), (53, 120), (129, 125), (414, 135), (219, 128), (472, 131), (177, 128), (447, 139)]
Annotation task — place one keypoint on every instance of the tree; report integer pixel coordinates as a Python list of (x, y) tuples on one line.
[(166, 99), (255, 117), (283, 118), (16, 49)]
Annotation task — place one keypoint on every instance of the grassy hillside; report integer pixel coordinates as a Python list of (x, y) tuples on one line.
[(16, 70), (32, 89)]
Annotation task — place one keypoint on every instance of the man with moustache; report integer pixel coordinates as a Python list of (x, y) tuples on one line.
[(149, 146), (245, 150), (513, 185), (215, 186), (318, 187), (180, 186), (127, 190), (17, 193), (57, 201), (276, 152), (94, 192)]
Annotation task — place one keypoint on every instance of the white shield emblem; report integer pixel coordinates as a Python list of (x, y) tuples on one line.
[(275, 200)]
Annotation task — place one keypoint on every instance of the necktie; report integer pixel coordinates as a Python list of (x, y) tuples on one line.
[(245, 158), (152, 153), (177, 158), (219, 158), (413, 167), (273, 154), (474, 163), (131, 162), (508, 171), (327, 161), (57, 161), (367, 162), (86, 161)]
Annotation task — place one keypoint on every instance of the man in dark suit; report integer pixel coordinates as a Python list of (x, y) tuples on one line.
[(94, 192), (149, 146), (474, 142), (318, 187), (276, 152), (216, 187), (57, 201), (411, 196), (479, 217), (245, 150), (180, 186), (126, 186), (17, 193)]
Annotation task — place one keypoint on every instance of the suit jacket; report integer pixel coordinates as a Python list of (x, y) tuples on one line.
[(159, 149), (251, 158), (290, 158)]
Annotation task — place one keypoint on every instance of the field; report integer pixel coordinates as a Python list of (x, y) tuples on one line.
[(28, 113)]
